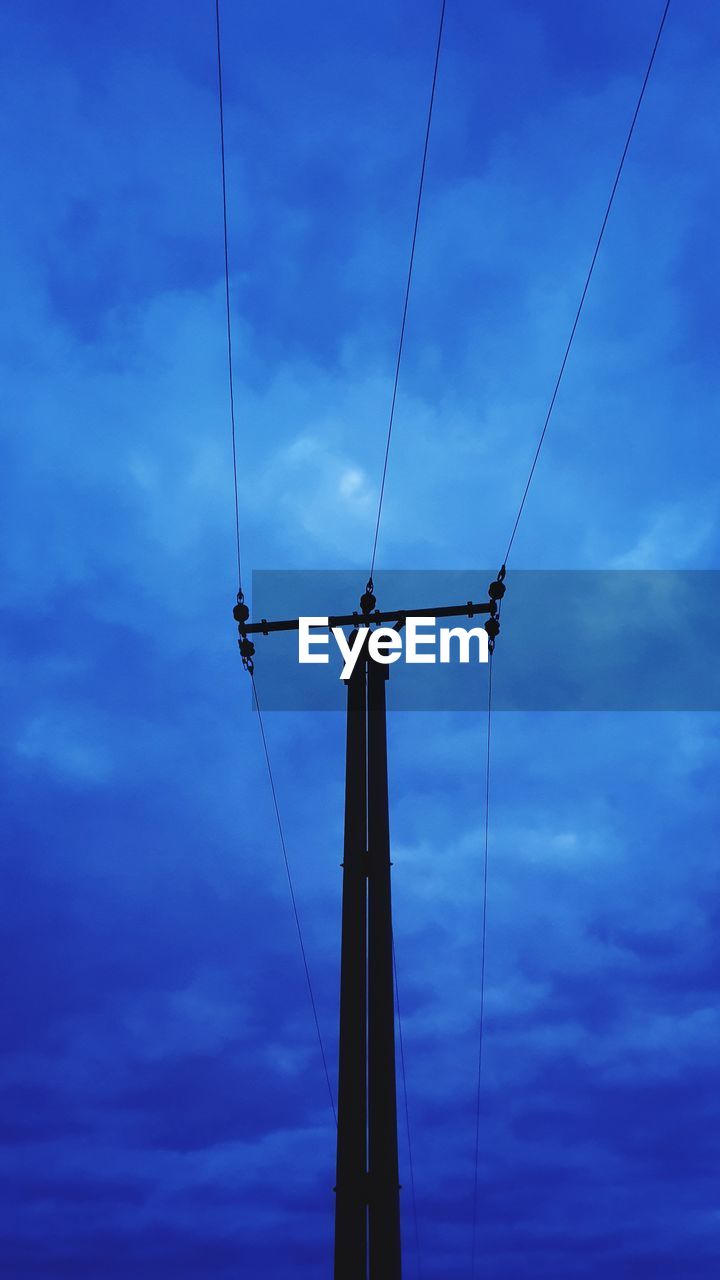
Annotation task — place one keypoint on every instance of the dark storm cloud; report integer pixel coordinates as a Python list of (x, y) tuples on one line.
[(164, 1111)]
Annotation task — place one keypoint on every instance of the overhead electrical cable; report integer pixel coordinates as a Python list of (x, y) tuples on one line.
[(407, 1115), (588, 278), (231, 380), (293, 900), (263, 737), (521, 507), (483, 940), (391, 420), (407, 288)]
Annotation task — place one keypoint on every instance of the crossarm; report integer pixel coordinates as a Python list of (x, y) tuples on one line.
[(467, 610)]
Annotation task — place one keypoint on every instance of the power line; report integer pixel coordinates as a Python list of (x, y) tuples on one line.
[(526, 490), (407, 1115), (293, 899), (227, 292), (587, 280), (407, 287), (267, 754), (482, 967)]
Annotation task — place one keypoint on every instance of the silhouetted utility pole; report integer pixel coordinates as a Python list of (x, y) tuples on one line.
[(367, 1191)]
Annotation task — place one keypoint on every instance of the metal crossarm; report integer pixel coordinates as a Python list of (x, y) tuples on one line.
[(467, 610)]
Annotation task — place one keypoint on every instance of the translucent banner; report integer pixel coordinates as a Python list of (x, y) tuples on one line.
[(570, 640)]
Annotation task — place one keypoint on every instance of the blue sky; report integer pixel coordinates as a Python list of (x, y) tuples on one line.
[(163, 1106)]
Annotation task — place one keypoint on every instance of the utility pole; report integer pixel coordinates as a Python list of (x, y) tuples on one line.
[(367, 1190)]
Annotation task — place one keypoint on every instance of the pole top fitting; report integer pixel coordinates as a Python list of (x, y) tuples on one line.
[(368, 601), (247, 650), (492, 626)]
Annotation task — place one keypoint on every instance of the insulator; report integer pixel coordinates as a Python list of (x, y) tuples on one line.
[(367, 602), (492, 626), (496, 590), (241, 613)]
